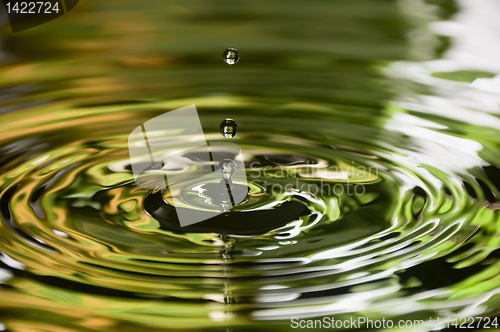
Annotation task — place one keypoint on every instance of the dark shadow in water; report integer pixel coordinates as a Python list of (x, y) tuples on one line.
[(239, 223)]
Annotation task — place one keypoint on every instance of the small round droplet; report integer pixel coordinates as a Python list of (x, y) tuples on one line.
[(228, 128), (231, 56), (227, 168)]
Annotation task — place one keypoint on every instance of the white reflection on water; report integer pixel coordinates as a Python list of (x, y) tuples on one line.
[(9, 261), (476, 46)]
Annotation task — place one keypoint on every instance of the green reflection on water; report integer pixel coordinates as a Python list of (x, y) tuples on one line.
[(420, 242)]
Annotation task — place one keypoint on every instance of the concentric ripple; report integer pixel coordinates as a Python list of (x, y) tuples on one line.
[(71, 211), (371, 192)]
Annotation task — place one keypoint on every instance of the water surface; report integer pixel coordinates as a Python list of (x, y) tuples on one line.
[(347, 94)]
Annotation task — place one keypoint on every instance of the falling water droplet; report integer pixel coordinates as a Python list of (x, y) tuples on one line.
[(227, 168), (228, 128), (231, 56)]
